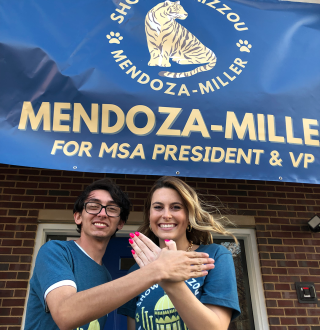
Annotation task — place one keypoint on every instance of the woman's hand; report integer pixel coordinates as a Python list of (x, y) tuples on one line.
[(144, 250)]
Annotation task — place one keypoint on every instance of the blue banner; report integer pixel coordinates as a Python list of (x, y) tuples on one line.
[(200, 88)]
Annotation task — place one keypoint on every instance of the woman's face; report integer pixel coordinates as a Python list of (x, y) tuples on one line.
[(168, 215)]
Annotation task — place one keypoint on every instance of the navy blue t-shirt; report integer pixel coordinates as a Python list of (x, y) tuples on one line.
[(58, 261), (153, 309)]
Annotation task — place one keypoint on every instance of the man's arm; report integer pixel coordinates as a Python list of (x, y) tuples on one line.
[(71, 309)]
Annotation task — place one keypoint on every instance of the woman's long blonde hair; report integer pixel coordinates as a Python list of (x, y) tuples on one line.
[(202, 221)]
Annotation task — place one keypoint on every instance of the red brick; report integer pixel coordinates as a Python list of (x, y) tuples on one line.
[(287, 263), (308, 320), (313, 256), (314, 279), (15, 227), (313, 242), (6, 293), (272, 295), (292, 242), (308, 263), (31, 228), (288, 321), (22, 251), (9, 258), (6, 234), (270, 278), (279, 270), (17, 311), (11, 242), (285, 303), (17, 284), (5, 250), (13, 302), (279, 221), (284, 249), (10, 205), (313, 312), (297, 271), (10, 320), (304, 249), (282, 286), (20, 293), (268, 263), (301, 235), (314, 271), (274, 320), (8, 275), (295, 311), (12, 191), (4, 312), (275, 311), (8, 219), (21, 267), (26, 235), (28, 220), (295, 256), (273, 227), (289, 279), (271, 303)]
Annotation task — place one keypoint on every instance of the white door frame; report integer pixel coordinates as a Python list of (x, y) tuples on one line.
[(251, 250)]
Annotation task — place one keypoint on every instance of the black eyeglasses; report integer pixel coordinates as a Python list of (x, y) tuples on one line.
[(96, 208)]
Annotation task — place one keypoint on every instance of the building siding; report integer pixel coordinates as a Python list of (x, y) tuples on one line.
[(288, 251)]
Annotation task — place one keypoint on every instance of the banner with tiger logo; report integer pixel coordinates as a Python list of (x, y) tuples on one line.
[(197, 88)]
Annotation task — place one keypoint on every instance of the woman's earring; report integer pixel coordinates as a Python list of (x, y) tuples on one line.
[(189, 228), (150, 226)]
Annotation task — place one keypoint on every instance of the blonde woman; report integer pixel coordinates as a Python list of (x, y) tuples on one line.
[(175, 219)]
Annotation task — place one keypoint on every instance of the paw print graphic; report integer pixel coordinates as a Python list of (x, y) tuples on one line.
[(114, 38), (244, 46)]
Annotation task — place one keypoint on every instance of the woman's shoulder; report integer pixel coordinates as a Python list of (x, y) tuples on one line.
[(213, 249)]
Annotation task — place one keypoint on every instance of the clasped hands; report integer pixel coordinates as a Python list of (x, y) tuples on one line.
[(177, 265)]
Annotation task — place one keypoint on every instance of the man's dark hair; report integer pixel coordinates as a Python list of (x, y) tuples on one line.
[(119, 197)]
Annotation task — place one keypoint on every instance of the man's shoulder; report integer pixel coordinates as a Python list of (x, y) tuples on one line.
[(56, 248)]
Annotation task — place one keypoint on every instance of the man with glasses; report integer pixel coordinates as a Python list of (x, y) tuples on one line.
[(72, 289)]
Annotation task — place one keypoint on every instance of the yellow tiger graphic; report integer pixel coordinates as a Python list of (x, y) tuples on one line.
[(168, 39)]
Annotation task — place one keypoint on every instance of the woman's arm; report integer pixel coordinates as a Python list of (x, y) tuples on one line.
[(131, 323), (195, 315)]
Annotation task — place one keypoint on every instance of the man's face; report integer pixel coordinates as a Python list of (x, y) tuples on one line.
[(99, 226)]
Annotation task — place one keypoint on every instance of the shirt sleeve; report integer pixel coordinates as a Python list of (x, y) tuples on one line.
[(129, 308), (53, 265), (220, 285)]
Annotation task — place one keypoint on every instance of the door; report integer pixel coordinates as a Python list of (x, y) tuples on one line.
[(118, 260)]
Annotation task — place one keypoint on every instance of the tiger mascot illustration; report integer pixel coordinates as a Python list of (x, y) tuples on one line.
[(168, 39)]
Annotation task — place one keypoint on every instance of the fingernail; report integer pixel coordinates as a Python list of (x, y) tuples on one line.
[(131, 235), (130, 241), (133, 251), (137, 233), (167, 240)]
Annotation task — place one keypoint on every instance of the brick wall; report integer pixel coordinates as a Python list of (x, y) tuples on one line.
[(288, 251)]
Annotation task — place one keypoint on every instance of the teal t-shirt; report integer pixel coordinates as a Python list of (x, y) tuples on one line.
[(58, 261), (153, 309)]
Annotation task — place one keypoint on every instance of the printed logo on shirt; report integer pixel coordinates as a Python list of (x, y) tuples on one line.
[(94, 325), (165, 315)]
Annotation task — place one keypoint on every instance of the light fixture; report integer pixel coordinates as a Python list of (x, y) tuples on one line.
[(314, 223)]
